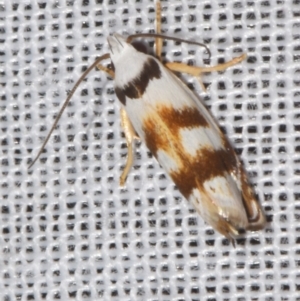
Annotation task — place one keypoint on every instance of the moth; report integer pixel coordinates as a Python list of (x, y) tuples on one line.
[(158, 108)]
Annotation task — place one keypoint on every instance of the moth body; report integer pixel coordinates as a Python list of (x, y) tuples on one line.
[(185, 139)]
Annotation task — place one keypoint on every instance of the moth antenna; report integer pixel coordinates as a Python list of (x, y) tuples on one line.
[(162, 36), (82, 77)]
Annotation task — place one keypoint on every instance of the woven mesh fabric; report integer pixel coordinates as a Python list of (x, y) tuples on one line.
[(68, 230)]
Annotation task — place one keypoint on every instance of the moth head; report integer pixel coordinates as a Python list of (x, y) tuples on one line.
[(118, 47)]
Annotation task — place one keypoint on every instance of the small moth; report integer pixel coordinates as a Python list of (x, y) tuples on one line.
[(158, 108)]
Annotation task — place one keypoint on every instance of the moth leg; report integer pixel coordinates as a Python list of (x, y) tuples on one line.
[(201, 83), (130, 135), (197, 71), (158, 42), (107, 70), (129, 132)]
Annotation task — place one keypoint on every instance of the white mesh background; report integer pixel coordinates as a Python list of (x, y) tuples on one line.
[(68, 231)]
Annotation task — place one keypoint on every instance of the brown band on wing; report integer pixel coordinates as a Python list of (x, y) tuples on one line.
[(121, 95), (163, 133), (173, 120), (188, 117), (231, 159), (206, 165), (136, 87)]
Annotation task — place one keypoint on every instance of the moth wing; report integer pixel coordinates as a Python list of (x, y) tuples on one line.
[(185, 139)]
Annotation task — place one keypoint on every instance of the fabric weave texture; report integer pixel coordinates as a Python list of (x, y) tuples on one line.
[(68, 230)]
